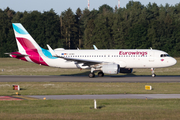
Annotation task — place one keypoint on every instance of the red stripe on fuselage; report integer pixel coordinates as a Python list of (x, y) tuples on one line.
[(35, 57)]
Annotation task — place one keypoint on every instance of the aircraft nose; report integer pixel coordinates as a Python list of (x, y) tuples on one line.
[(173, 61)]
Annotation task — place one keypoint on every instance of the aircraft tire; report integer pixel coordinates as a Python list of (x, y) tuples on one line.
[(153, 75), (91, 75), (100, 74)]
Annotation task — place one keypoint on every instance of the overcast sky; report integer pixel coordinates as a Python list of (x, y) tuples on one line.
[(62, 5)]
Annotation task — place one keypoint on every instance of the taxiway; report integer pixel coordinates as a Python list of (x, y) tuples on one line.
[(133, 79)]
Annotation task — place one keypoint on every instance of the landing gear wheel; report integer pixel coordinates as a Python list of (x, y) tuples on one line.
[(153, 75), (91, 75), (100, 74)]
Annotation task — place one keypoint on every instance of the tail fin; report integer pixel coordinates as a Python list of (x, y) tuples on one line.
[(23, 38), (29, 50)]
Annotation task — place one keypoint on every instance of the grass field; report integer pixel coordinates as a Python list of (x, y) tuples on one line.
[(68, 88), (11, 66), (122, 109)]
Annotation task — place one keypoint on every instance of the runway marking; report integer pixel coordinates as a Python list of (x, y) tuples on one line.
[(9, 98), (25, 97)]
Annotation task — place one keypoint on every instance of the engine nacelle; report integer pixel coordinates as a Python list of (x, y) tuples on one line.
[(111, 69), (126, 70)]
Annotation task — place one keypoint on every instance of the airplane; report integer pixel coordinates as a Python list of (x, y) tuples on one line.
[(103, 61)]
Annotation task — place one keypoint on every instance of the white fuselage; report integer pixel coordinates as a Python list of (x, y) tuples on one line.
[(126, 58)]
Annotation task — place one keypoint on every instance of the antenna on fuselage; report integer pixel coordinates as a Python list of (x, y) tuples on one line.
[(95, 47)]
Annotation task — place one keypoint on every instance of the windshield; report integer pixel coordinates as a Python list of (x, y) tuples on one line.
[(165, 55)]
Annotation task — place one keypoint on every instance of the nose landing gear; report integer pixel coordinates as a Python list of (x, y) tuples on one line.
[(153, 74)]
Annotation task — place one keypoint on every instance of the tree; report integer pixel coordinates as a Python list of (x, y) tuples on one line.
[(105, 8), (79, 25), (136, 26), (6, 38), (102, 36), (88, 27), (68, 21)]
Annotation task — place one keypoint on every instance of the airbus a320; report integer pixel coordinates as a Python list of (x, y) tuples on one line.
[(110, 61)]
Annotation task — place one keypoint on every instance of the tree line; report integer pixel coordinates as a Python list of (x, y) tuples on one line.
[(133, 27)]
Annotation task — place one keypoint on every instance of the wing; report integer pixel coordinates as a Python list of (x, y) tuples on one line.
[(78, 61), (85, 61)]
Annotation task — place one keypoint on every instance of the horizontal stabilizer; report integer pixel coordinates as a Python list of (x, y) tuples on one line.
[(19, 55)]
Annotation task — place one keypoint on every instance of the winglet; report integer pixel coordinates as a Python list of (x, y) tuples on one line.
[(95, 47), (51, 51)]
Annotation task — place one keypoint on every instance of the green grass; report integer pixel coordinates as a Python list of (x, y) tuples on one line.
[(17, 67), (13, 66), (131, 109), (68, 88)]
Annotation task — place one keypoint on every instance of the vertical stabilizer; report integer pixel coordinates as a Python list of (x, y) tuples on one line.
[(29, 50), (23, 38)]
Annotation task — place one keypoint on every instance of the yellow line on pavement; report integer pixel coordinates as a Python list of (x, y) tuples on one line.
[(24, 97)]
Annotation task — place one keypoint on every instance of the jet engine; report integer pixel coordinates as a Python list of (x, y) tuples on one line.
[(111, 69)]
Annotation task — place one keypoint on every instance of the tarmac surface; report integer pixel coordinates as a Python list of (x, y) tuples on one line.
[(115, 96), (129, 79)]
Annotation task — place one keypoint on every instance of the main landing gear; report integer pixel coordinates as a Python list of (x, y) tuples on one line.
[(91, 75), (100, 74), (153, 74)]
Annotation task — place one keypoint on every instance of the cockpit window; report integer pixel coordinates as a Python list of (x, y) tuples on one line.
[(165, 55)]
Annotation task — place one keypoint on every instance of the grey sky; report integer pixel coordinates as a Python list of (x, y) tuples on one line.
[(62, 5)]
